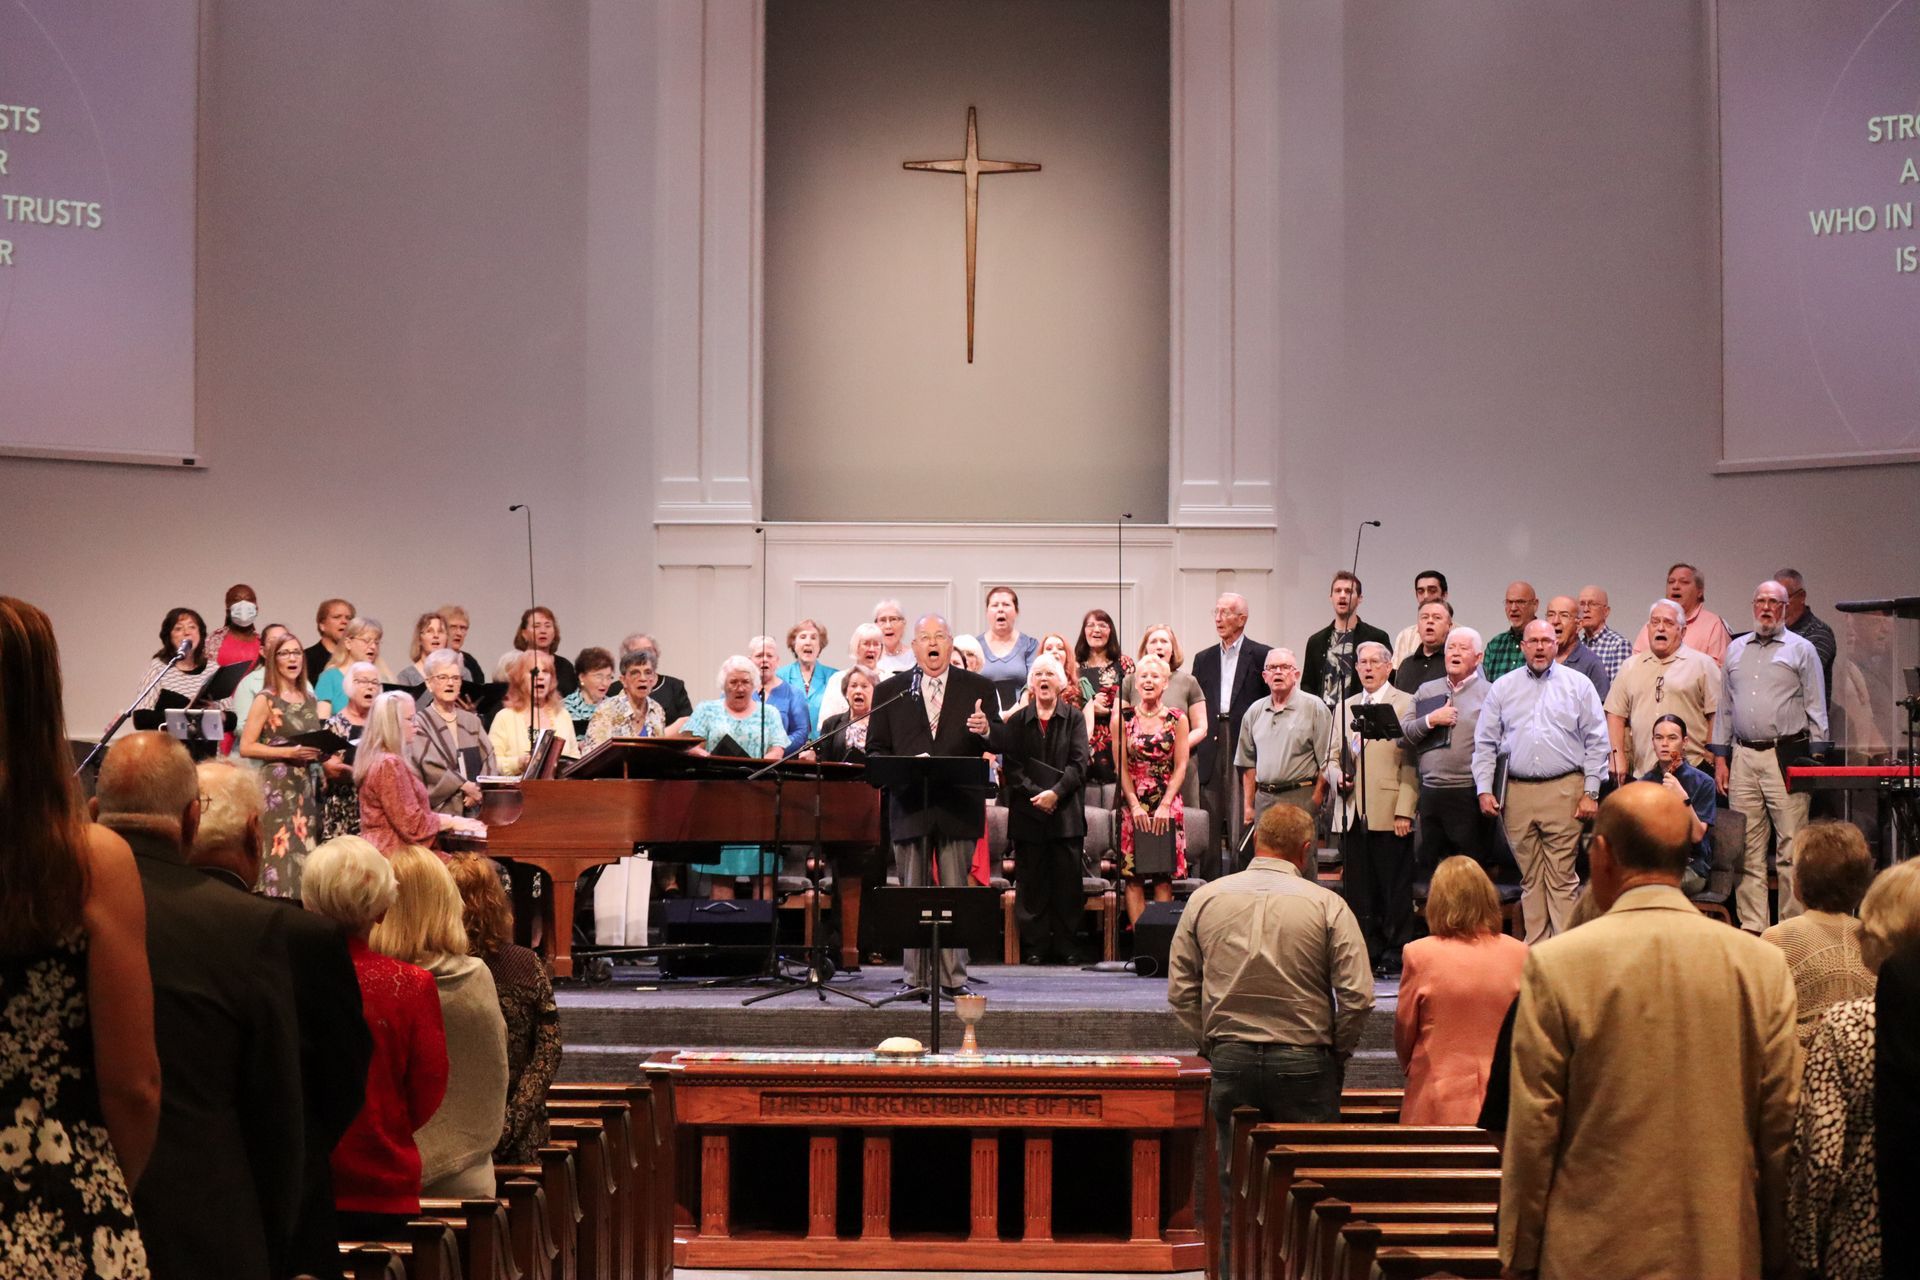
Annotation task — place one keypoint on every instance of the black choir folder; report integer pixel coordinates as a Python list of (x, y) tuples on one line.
[(1443, 736), (1152, 851)]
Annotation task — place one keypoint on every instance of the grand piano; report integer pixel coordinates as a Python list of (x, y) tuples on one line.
[(628, 792)]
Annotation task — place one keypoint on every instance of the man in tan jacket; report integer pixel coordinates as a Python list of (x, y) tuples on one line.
[(1655, 1074), (1376, 821)]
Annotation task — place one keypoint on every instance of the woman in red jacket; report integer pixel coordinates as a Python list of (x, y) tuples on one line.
[(376, 1166)]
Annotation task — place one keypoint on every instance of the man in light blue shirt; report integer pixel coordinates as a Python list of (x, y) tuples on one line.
[(1546, 721)]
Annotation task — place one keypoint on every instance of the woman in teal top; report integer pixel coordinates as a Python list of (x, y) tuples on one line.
[(1008, 652), (360, 644), (760, 731), (806, 674)]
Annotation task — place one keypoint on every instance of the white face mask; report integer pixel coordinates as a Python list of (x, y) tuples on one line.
[(243, 613)]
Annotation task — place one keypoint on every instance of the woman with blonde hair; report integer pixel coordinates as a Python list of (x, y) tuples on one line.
[(376, 1163), (1183, 691), (394, 808), (865, 647), (1455, 987), (425, 927), (533, 702), (1833, 1204), (526, 1002), (1150, 753), (361, 643), (79, 1075), (429, 634), (284, 709)]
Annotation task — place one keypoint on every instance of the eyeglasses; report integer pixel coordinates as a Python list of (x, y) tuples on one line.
[(1659, 688), (206, 803)]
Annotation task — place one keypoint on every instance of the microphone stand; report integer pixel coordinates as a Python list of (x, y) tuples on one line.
[(124, 716), (820, 965), (1119, 579), (533, 602)]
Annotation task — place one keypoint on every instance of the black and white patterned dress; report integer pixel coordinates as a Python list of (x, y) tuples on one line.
[(1833, 1204), (64, 1209)]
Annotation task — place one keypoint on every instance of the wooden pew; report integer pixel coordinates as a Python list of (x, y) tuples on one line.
[(1312, 1184), (1272, 1180), (375, 1261), (534, 1250), (559, 1183), (479, 1228), (1415, 1263), (594, 1169), (1369, 1113), (628, 1196), (1322, 1236), (1360, 1242), (650, 1120), (1252, 1141)]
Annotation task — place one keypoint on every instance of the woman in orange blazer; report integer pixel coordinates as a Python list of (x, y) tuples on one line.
[(1455, 987)]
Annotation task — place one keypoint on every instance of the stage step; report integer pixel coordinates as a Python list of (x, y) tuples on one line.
[(608, 1030)]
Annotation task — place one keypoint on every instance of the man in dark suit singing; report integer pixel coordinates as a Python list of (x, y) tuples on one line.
[(1229, 676), (948, 711)]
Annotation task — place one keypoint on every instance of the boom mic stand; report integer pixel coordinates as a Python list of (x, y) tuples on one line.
[(820, 965), (122, 718)]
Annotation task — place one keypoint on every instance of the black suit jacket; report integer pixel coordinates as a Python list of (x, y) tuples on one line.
[(899, 728), (1061, 756), (1896, 1111), (335, 1049), (1312, 674), (671, 693), (835, 747), (1249, 686), (222, 1192)]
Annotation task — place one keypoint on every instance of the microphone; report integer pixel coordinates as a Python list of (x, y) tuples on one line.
[(186, 647), (1374, 523), (1356, 543), (518, 506), (914, 688)]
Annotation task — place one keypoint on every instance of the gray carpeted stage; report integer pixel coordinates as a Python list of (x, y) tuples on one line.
[(609, 1029)]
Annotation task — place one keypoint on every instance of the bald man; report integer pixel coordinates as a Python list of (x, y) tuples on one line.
[(1503, 651), (1231, 680), (1612, 648), (939, 708), (1593, 1181), (222, 1194)]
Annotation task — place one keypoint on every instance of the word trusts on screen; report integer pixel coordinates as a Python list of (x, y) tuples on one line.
[(22, 209)]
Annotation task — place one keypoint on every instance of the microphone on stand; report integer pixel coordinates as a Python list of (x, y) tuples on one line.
[(1356, 543), (533, 602), (186, 647), (1119, 580)]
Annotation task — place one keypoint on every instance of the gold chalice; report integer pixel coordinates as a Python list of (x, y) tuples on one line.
[(971, 1009)]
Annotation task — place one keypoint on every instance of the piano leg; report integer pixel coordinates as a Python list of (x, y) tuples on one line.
[(846, 884), (559, 926)]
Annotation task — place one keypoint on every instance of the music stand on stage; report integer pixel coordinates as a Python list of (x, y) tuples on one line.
[(936, 917)]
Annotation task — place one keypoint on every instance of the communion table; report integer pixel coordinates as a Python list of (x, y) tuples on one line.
[(1014, 1161)]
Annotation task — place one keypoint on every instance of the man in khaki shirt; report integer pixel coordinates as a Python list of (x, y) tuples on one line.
[(1655, 1075), (1269, 973), (1666, 678)]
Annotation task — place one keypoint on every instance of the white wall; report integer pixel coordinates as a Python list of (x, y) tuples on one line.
[(1464, 281)]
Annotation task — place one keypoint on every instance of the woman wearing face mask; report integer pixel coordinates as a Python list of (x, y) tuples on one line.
[(360, 644), (236, 640), (285, 708), (340, 802)]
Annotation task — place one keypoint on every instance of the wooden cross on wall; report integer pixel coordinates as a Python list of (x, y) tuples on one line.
[(972, 166)]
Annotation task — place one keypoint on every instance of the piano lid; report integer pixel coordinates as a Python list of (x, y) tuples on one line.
[(671, 757)]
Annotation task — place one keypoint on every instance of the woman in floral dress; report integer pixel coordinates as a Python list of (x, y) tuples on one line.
[(1152, 763), (284, 709), (79, 1077)]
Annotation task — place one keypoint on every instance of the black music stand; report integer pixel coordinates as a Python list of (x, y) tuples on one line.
[(910, 917)]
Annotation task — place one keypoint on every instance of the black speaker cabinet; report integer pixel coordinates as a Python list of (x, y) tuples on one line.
[(734, 922), (1153, 938)]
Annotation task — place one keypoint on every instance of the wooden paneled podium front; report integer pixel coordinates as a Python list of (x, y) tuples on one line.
[(949, 1162)]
